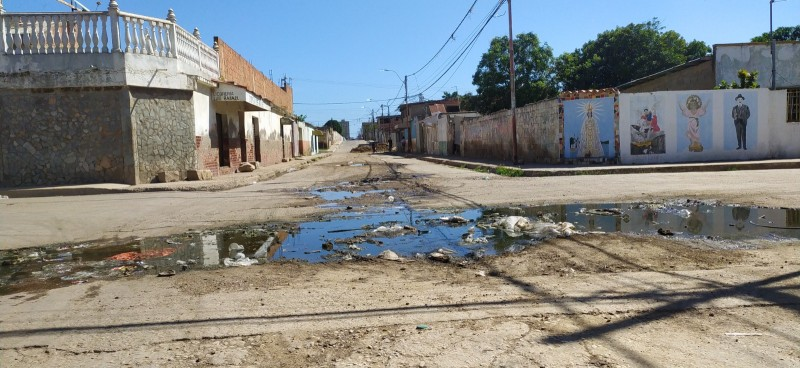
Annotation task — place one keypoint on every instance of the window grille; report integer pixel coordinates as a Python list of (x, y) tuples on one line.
[(793, 105)]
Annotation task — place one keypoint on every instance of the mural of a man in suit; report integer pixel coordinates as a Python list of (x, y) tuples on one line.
[(740, 114)]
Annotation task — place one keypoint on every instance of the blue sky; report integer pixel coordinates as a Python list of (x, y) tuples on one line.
[(333, 50)]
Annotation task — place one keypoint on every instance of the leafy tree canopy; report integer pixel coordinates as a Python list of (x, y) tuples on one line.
[(780, 34), (624, 54), (449, 95), (335, 124), (533, 69)]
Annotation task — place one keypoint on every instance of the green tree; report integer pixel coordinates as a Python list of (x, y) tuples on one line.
[(449, 95), (468, 102), (533, 69), (301, 117), (625, 54), (335, 124), (780, 34)]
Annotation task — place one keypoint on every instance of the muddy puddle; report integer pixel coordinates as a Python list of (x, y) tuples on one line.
[(368, 230)]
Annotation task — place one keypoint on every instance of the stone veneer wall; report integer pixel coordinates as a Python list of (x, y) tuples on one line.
[(163, 125), (63, 136)]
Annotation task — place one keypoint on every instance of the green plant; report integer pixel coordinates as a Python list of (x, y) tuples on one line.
[(481, 169), (509, 171), (747, 79)]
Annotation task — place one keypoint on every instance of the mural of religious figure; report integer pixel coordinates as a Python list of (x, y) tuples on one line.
[(693, 110), (589, 142), (646, 135)]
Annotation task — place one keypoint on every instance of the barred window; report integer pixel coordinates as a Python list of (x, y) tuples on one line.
[(793, 105)]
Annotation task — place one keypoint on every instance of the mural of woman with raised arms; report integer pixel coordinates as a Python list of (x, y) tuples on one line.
[(693, 110)]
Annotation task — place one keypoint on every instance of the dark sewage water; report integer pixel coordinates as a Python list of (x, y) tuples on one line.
[(361, 231)]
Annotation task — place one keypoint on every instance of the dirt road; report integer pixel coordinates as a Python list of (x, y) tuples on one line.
[(605, 300)]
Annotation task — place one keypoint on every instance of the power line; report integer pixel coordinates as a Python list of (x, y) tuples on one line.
[(468, 46), (343, 103), (451, 38), (339, 83)]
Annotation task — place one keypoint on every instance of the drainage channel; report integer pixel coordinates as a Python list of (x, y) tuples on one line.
[(363, 230)]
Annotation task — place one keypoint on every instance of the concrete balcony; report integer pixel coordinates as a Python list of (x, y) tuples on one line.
[(101, 49)]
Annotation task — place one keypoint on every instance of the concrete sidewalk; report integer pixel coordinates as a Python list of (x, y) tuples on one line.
[(541, 170), (218, 183)]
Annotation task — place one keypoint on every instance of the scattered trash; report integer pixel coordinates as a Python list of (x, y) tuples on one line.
[(173, 242), (3, 197), (390, 199), (389, 229), (602, 211), (142, 255), (389, 255), (439, 257), (454, 220), (167, 273), (239, 261), (234, 249), (354, 247), (423, 327), (743, 334), (480, 273), (263, 250), (665, 232), (470, 238)]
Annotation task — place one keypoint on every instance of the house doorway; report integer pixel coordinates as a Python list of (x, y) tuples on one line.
[(222, 140), (256, 139), (242, 137)]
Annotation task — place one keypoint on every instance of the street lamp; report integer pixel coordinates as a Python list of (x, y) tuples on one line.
[(405, 101)]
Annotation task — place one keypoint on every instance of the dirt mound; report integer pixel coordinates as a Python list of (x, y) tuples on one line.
[(367, 147)]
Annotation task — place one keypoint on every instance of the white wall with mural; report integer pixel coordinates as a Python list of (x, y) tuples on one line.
[(700, 126)]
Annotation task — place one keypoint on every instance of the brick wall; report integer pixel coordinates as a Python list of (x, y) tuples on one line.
[(234, 68), (207, 156), (538, 129)]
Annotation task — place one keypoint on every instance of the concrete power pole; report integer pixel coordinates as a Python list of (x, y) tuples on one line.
[(374, 127), (512, 83)]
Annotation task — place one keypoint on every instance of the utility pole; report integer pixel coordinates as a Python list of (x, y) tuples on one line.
[(513, 86), (772, 44), (408, 120), (374, 128)]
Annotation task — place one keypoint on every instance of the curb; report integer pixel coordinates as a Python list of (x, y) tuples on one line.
[(220, 183), (610, 170)]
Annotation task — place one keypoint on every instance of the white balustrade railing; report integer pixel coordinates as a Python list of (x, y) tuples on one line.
[(54, 33), (103, 32), (191, 50)]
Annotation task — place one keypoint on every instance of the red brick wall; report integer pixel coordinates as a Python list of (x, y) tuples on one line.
[(234, 68), (207, 156)]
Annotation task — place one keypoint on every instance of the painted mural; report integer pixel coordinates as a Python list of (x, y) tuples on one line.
[(589, 128), (740, 129), (698, 132), (647, 137)]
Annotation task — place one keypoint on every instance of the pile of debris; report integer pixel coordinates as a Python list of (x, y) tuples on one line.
[(367, 147)]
